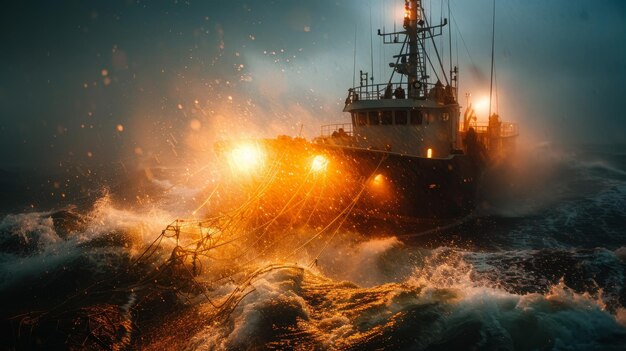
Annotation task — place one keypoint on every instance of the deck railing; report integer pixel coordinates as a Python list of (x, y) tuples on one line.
[(399, 90), (507, 129), (329, 129)]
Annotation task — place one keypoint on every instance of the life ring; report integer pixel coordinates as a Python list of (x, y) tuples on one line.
[(416, 84)]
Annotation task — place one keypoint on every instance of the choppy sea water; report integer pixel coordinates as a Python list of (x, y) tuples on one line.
[(540, 265)]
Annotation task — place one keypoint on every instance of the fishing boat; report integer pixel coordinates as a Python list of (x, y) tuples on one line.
[(404, 158)]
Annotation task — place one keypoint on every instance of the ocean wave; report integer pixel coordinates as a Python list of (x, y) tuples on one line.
[(540, 178), (297, 307), (589, 222), (549, 280), (453, 299), (33, 246), (27, 232)]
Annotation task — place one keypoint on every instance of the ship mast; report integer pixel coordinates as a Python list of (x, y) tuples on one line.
[(413, 18), (413, 58)]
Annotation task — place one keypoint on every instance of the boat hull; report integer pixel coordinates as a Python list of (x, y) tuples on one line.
[(355, 187), (413, 187)]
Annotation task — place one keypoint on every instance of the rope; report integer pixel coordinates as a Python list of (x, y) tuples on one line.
[(493, 47), (443, 70)]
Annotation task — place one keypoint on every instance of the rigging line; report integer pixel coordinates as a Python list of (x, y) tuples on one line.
[(443, 70), (244, 207), (429, 61), (354, 59), (371, 46), (202, 288), (439, 229), (441, 38), (95, 284), (266, 181), (381, 48), (493, 46), (267, 228), (207, 199), (495, 79), (343, 220), (249, 280), (297, 206), (306, 199), (249, 261), (283, 210), (458, 31), (345, 211), (343, 215), (241, 287), (430, 6), (450, 39), (406, 38), (316, 206), (456, 47), (349, 210)]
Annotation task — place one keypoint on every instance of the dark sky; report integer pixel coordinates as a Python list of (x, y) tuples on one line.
[(106, 81)]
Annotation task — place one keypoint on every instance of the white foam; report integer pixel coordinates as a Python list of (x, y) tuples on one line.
[(368, 262), (278, 289), (35, 228), (46, 251), (144, 224), (445, 286)]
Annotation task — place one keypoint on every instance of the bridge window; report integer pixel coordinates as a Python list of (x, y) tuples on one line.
[(416, 117), (401, 117), (372, 118), (445, 116), (361, 118), (386, 117)]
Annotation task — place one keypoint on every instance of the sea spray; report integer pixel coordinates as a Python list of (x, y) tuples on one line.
[(552, 277)]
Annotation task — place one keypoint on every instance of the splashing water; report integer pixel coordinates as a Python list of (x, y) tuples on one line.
[(544, 278)]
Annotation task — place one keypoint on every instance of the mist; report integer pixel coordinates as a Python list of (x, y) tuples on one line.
[(96, 84)]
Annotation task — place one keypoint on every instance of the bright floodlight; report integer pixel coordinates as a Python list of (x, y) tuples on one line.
[(378, 179), (246, 158), (319, 163), (481, 106)]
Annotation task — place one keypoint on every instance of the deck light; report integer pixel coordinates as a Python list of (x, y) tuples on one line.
[(429, 153), (378, 179), (246, 158), (319, 163)]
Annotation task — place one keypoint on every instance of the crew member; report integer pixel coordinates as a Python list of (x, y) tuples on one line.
[(399, 93)]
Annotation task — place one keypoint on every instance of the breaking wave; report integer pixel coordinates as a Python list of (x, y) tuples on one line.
[(444, 304), (536, 277)]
